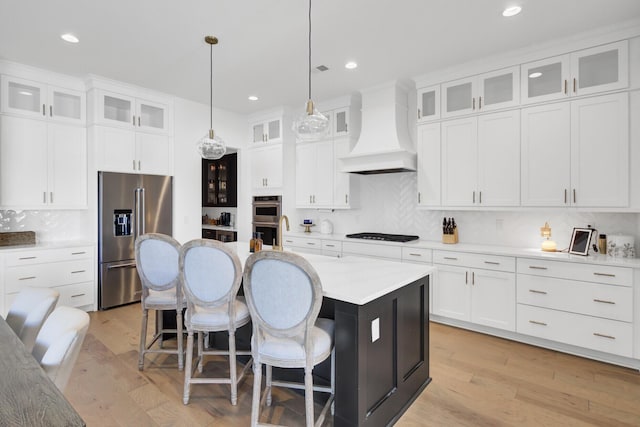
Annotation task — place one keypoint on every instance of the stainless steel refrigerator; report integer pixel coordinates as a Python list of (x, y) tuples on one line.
[(128, 205)]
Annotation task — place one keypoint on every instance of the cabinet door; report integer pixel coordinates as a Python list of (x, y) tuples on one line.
[(458, 97), (152, 153), (115, 149), (323, 193), (600, 69), (66, 105), (429, 165), (259, 134), (342, 181), (546, 155), (600, 151), (428, 104), (452, 293), (115, 109), (274, 130), (151, 116), (67, 171), (459, 162), (493, 299), (340, 122), (23, 162), (499, 159), (305, 174), (266, 167), (24, 97), (499, 89), (545, 80)]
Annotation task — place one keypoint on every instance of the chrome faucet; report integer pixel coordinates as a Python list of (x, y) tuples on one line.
[(280, 247)]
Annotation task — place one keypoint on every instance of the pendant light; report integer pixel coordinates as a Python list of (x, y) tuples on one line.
[(211, 146), (312, 125)]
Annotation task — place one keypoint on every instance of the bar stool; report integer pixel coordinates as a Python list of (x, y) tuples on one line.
[(29, 311)]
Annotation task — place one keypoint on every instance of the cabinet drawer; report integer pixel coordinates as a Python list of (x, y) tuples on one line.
[(422, 255), (606, 301), (605, 335), (487, 262), (302, 242), (48, 275), (332, 245), (76, 295), (372, 250), (39, 256), (622, 276)]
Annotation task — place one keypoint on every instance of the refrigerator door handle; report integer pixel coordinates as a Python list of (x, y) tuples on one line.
[(138, 213), (144, 211), (130, 265)]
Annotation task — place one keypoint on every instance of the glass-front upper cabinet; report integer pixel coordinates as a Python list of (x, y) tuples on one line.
[(267, 131), (39, 100), (484, 92), (117, 109), (584, 72), (151, 115), (428, 104)]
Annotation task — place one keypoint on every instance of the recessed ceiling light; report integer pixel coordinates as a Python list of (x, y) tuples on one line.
[(511, 11), (68, 37), (253, 98), (535, 75), (351, 65)]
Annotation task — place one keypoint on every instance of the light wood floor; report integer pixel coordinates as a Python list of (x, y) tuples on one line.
[(478, 380)]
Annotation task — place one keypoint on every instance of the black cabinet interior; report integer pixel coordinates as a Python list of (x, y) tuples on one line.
[(219, 181)]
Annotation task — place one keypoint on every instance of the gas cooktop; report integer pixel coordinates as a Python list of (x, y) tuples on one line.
[(383, 237)]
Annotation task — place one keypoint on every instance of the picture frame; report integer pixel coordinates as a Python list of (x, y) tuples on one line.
[(580, 241)]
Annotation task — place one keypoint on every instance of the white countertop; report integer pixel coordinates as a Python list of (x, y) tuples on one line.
[(48, 245), (219, 227), (356, 280), (486, 249)]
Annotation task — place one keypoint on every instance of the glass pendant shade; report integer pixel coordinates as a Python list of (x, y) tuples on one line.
[(312, 125), (211, 146)]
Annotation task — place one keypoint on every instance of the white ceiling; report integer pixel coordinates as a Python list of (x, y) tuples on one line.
[(263, 43)]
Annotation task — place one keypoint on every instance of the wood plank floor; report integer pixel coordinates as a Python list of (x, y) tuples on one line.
[(478, 380)]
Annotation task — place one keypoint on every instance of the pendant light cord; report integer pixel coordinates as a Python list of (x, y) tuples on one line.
[(211, 86), (309, 49)]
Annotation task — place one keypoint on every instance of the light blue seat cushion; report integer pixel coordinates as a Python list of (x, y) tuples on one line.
[(291, 351), (217, 318)]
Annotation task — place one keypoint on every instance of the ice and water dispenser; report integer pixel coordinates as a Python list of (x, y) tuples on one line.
[(122, 222)]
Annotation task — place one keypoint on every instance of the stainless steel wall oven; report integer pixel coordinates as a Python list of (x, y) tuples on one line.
[(266, 216)]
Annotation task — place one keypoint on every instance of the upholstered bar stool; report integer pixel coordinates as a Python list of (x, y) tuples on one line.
[(284, 295), (29, 311), (211, 274), (157, 262)]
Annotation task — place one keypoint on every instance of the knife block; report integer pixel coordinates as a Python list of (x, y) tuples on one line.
[(451, 238)]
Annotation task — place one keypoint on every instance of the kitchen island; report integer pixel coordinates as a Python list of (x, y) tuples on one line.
[(381, 313)]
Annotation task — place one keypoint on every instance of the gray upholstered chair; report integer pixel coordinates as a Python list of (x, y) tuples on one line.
[(29, 311), (58, 343), (211, 274), (284, 295), (157, 262)]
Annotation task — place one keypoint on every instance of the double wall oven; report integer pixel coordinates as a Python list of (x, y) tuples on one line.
[(266, 217)]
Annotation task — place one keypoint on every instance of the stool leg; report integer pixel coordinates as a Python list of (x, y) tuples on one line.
[(160, 327), (143, 338), (187, 368), (255, 402), (232, 368), (308, 395), (200, 355), (179, 337), (269, 375)]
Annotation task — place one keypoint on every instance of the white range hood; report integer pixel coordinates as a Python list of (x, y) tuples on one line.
[(384, 145)]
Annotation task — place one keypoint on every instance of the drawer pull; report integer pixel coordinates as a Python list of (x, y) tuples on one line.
[(78, 253), (78, 271), (289, 241), (535, 322), (535, 291), (451, 258), (492, 263), (604, 336), (27, 257), (311, 243), (603, 301), (535, 267), (604, 274), (330, 246), (77, 295), (27, 278), (415, 254)]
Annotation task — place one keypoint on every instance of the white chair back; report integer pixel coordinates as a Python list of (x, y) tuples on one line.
[(157, 262), (58, 344), (29, 311)]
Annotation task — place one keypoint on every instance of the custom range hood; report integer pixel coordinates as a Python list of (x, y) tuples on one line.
[(384, 145)]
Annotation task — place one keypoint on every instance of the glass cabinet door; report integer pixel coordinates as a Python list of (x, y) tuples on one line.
[(341, 122), (600, 68), (458, 97), (274, 133), (258, 132), (429, 104), (66, 105), (117, 109), (151, 116), (23, 97), (545, 80), (499, 89)]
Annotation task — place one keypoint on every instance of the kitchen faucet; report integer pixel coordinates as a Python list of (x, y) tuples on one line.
[(280, 247)]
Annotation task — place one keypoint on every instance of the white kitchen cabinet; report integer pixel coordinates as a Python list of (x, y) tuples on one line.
[(484, 92), (484, 296), (480, 160), (122, 150), (584, 72), (338, 121), (428, 104), (269, 130), (428, 160), (344, 183), (131, 112), (42, 165), (576, 153), (373, 250), (266, 167), (314, 174), (42, 101)]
